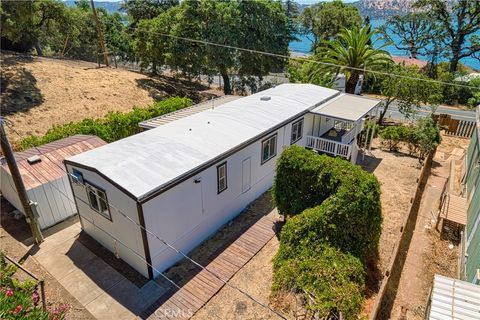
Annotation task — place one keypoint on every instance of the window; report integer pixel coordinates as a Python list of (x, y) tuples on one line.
[(77, 177), (297, 130), (269, 148), (221, 177), (98, 200)]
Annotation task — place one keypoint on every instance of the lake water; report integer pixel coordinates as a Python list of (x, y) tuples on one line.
[(305, 44)]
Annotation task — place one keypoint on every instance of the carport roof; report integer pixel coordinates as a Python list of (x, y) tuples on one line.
[(346, 107)]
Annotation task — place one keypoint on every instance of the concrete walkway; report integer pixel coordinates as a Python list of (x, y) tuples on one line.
[(104, 292)]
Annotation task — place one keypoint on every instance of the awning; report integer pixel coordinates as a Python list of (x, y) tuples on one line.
[(347, 107)]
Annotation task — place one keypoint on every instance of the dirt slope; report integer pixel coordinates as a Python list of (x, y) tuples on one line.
[(38, 93)]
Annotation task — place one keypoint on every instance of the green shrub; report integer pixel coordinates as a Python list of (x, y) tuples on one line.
[(303, 180), (344, 200), (114, 126), (393, 135), (427, 136), (474, 100), (333, 224), (328, 279), (422, 138)]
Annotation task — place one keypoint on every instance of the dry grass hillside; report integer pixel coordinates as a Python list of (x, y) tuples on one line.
[(37, 93)]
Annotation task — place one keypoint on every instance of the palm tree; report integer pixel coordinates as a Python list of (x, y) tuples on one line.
[(353, 50)]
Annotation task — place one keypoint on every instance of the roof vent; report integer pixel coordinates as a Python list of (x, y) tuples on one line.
[(34, 159), (265, 98)]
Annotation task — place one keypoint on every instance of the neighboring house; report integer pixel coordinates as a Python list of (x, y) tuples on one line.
[(45, 179), (409, 61), (186, 178), (452, 298), (470, 266)]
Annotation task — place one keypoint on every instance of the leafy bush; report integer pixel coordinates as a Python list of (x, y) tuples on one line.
[(474, 100), (334, 224), (421, 139), (329, 279), (393, 135), (426, 136), (347, 212), (20, 299), (114, 126)]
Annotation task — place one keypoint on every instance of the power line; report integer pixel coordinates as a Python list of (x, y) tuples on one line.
[(226, 282), (92, 222), (276, 55)]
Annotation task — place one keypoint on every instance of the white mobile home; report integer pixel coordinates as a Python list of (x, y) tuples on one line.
[(45, 179), (186, 178)]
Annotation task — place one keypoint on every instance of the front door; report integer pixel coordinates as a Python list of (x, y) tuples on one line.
[(246, 175)]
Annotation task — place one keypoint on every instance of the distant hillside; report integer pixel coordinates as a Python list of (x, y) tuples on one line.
[(383, 9), (111, 7), (378, 9)]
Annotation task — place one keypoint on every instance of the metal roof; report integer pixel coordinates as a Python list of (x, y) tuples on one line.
[(146, 162), (454, 299), (51, 167), (186, 112), (347, 107)]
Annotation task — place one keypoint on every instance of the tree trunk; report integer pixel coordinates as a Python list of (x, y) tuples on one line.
[(352, 82), (38, 48), (454, 64), (456, 49), (154, 68), (386, 104), (227, 87)]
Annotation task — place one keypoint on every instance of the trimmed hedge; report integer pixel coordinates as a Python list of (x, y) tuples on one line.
[(330, 280), (333, 227), (345, 199), (114, 126)]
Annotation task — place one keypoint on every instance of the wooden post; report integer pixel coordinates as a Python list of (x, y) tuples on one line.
[(101, 41), (17, 179)]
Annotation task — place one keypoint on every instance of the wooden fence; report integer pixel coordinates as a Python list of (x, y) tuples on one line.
[(455, 127)]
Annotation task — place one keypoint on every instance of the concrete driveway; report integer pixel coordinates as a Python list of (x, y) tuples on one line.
[(103, 291)]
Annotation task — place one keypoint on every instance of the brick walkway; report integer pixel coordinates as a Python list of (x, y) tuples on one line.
[(185, 302)]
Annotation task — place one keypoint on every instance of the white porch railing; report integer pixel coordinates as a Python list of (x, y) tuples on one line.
[(329, 146), (353, 132)]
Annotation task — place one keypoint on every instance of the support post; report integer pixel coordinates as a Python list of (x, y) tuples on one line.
[(101, 40), (17, 179)]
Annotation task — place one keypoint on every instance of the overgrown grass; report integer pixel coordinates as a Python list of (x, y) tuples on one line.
[(114, 126)]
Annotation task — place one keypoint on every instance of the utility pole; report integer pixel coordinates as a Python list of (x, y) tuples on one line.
[(101, 41), (17, 179)]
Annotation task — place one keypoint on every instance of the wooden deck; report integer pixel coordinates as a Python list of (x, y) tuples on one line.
[(455, 209), (194, 294)]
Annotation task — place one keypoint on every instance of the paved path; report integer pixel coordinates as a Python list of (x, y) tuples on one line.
[(104, 292), (183, 303)]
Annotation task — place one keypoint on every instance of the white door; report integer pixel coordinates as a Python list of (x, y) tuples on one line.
[(246, 175)]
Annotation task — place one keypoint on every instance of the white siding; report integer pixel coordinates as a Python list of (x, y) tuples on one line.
[(54, 199), (120, 227), (190, 212)]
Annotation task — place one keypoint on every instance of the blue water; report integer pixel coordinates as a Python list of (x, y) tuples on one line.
[(305, 43)]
